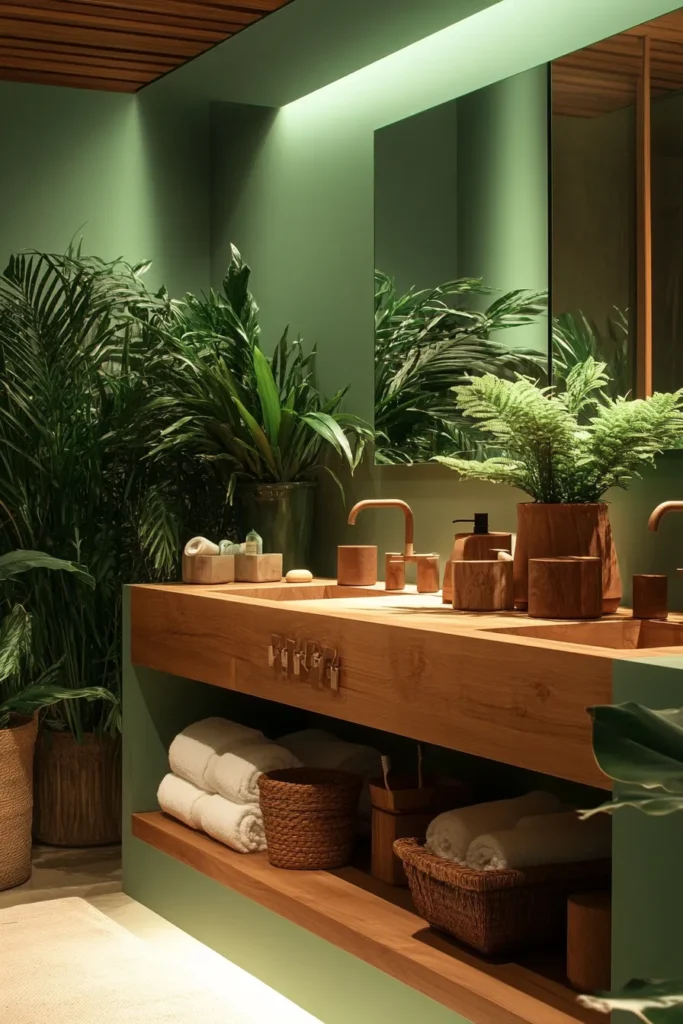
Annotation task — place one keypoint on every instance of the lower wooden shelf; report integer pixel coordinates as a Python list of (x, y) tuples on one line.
[(376, 923)]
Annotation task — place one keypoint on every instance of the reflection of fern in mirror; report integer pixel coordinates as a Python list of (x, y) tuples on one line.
[(576, 337), (426, 341), (566, 447)]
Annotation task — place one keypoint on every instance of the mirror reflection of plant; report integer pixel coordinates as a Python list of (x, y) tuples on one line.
[(425, 341), (576, 338), (79, 358), (255, 418), (23, 689), (570, 446), (642, 750)]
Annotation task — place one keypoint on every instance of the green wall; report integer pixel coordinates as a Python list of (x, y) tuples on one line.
[(129, 174)]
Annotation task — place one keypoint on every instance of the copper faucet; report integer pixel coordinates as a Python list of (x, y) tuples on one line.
[(395, 561), (661, 510)]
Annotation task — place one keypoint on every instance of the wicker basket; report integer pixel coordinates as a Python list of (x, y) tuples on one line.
[(16, 800), (309, 816), (496, 911)]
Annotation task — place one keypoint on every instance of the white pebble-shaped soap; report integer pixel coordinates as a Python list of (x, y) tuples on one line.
[(299, 576)]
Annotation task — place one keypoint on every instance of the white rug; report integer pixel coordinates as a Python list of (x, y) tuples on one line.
[(63, 962)]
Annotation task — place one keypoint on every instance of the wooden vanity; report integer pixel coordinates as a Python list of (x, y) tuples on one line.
[(501, 686)]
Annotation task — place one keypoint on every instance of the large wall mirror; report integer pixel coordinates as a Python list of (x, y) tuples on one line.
[(617, 206), (461, 258)]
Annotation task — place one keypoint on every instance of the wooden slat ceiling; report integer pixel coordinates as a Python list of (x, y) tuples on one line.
[(114, 45), (603, 77)]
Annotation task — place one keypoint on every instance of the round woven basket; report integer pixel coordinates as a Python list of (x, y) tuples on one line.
[(16, 800), (309, 816)]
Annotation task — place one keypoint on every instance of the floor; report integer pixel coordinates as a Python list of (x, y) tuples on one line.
[(95, 875)]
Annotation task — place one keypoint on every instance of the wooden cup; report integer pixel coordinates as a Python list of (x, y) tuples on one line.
[(565, 588), (650, 597), (357, 565)]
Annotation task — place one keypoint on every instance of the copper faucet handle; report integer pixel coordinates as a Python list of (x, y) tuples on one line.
[(389, 503), (661, 510)]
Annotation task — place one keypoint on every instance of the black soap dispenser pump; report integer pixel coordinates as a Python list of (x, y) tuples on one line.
[(479, 545)]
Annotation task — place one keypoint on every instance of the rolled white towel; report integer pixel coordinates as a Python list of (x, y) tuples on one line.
[(450, 834), (192, 749), (201, 546), (542, 839), (239, 826), (181, 799), (235, 774), (319, 749)]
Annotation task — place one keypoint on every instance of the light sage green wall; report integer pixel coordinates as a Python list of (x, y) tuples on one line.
[(127, 173)]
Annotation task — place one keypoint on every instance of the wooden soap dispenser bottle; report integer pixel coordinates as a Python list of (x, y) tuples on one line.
[(477, 546)]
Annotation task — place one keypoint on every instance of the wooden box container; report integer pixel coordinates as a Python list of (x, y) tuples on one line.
[(208, 568), (258, 568)]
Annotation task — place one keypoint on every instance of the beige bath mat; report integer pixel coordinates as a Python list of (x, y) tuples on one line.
[(63, 962)]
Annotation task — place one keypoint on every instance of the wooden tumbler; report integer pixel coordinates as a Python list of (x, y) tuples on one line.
[(589, 941), (357, 565), (565, 588), (650, 597), (482, 586)]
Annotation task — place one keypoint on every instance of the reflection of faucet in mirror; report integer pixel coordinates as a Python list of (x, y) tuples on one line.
[(395, 561)]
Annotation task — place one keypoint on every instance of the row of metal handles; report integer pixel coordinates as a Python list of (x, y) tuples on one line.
[(320, 663)]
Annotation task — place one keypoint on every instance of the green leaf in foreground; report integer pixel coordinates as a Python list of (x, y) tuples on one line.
[(636, 745), (656, 1002)]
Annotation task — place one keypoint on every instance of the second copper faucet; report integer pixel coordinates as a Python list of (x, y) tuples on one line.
[(394, 561)]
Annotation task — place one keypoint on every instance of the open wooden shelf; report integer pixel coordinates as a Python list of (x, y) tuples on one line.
[(376, 923)]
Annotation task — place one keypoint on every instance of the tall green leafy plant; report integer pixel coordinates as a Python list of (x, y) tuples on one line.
[(426, 341), (642, 750), (253, 417), (570, 446), (23, 691), (80, 357)]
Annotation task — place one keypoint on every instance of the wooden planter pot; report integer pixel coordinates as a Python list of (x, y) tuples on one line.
[(77, 790), (553, 531), (16, 800)]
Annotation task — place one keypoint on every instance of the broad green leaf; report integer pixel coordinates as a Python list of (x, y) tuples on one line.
[(328, 428), (15, 562), (268, 396), (656, 1002), (655, 806), (635, 745)]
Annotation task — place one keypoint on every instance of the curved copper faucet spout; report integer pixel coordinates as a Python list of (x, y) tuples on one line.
[(661, 510), (388, 503)]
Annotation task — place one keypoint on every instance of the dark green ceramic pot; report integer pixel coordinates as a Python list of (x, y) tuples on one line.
[(283, 515)]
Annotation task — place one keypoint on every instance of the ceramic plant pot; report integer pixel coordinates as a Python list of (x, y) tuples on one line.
[(17, 745), (283, 516), (77, 790), (553, 531)]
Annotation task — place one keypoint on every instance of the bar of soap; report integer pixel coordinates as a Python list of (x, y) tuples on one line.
[(299, 576)]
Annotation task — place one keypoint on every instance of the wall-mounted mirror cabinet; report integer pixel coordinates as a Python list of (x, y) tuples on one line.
[(617, 206), (461, 268)]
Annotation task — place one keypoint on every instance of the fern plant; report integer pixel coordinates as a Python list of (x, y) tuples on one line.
[(425, 341), (570, 446)]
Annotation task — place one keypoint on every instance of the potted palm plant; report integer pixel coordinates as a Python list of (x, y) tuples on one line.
[(260, 421), (565, 449), (23, 693)]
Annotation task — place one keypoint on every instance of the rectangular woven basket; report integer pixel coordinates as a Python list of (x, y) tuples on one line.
[(496, 911)]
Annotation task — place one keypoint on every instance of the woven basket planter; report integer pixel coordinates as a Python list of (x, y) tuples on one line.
[(77, 790), (496, 911), (17, 744), (309, 816)]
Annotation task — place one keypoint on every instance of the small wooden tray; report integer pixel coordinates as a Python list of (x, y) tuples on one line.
[(208, 568), (258, 568)]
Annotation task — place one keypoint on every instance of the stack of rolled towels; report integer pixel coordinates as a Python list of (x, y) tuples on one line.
[(524, 832), (213, 783)]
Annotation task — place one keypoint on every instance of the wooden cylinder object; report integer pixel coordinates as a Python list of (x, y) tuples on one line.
[(427, 574), (589, 941), (394, 571), (555, 531), (650, 597), (404, 812), (482, 586), (357, 565), (77, 790), (565, 588), (472, 547), (17, 743)]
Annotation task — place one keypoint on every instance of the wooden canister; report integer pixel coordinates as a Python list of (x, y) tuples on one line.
[(482, 585), (589, 941), (357, 565), (565, 588), (650, 597)]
